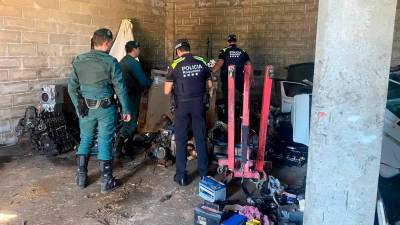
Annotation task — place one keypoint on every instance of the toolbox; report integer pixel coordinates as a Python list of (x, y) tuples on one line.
[(204, 215), (212, 190), (235, 220)]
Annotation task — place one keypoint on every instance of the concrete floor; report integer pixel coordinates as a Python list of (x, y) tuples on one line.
[(39, 190)]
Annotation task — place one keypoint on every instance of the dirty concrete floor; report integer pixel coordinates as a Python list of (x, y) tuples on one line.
[(37, 190)]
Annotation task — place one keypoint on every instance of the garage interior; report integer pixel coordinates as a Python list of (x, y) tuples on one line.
[(353, 43)]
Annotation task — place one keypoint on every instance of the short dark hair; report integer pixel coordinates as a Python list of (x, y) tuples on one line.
[(130, 45), (182, 45), (232, 38), (101, 35)]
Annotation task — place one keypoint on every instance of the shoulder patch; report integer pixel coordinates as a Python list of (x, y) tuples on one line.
[(176, 61), (224, 49), (200, 59)]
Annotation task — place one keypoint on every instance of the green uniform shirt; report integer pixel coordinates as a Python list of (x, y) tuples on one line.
[(135, 78), (97, 74)]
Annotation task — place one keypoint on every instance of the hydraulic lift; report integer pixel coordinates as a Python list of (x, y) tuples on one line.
[(249, 166)]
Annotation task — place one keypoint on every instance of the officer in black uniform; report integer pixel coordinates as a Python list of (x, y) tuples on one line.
[(231, 55), (188, 78)]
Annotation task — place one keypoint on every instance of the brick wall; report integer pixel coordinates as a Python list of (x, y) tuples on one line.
[(396, 41), (39, 38), (278, 32)]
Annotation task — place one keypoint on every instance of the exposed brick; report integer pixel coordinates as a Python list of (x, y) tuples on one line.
[(89, 9), (60, 61), (5, 101), (3, 49), (19, 75), (10, 11), (70, 6), (75, 50), (35, 62), (38, 84), (11, 113), (3, 75), (21, 49), (205, 3), (77, 29), (48, 50), (10, 36), (28, 3), (25, 99), (44, 26), (34, 37), (54, 72), (208, 20), (12, 88), (18, 23), (80, 39), (6, 63), (63, 39), (190, 21), (38, 13), (51, 4)]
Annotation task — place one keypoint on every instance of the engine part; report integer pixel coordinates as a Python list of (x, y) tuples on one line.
[(47, 131), (52, 97), (51, 131)]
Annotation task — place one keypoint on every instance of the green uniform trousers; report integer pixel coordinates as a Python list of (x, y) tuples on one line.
[(103, 121), (129, 128)]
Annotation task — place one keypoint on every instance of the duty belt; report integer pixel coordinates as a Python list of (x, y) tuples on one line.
[(189, 99), (95, 104)]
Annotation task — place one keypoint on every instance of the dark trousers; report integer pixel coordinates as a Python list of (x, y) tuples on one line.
[(194, 112)]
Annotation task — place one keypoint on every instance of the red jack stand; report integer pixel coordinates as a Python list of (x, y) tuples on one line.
[(246, 167)]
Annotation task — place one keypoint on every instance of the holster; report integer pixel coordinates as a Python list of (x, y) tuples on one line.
[(206, 101), (174, 103), (83, 110)]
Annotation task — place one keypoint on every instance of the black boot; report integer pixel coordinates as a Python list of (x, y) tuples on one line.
[(182, 181), (81, 176), (108, 182)]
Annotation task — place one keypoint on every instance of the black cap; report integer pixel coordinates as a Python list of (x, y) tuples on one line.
[(133, 44), (130, 45), (232, 38), (182, 42), (104, 32)]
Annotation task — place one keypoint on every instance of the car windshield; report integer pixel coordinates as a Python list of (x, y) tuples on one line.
[(393, 102)]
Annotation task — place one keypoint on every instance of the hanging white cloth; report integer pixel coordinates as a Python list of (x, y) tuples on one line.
[(124, 35)]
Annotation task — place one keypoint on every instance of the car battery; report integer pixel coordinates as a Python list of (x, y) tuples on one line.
[(235, 220), (212, 190), (204, 215)]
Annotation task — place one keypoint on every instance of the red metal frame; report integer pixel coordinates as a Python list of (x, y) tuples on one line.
[(231, 117), (245, 167), (264, 119)]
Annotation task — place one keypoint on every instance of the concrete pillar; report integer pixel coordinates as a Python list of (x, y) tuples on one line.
[(354, 43)]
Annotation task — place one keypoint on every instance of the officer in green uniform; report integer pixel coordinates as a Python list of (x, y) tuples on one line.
[(95, 77), (136, 81)]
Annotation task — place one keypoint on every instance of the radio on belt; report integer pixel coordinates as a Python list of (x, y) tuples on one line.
[(212, 190)]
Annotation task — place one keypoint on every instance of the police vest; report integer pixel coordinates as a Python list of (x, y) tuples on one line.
[(190, 77), (93, 69)]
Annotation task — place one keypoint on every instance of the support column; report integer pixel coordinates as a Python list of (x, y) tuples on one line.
[(354, 44)]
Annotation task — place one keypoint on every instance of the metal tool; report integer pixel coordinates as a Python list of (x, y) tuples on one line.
[(247, 167)]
